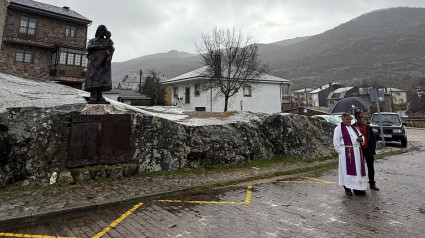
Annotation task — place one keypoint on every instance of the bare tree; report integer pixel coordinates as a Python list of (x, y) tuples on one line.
[(231, 62)]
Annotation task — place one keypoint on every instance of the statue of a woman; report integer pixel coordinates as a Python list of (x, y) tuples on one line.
[(100, 50)]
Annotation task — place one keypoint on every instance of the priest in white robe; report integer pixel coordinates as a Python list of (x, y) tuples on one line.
[(347, 142)]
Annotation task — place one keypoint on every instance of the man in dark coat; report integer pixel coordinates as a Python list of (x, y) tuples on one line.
[(368, 148)]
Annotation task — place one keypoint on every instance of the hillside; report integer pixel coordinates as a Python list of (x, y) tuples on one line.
[(387, 45), (171, 64)]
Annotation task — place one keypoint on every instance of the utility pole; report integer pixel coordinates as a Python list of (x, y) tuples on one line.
[(380, 119), (140, 80)]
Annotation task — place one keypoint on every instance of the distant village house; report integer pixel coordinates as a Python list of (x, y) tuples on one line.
[(319, 95), (341, 93), (269, 95), (39, 40), (302, 97)]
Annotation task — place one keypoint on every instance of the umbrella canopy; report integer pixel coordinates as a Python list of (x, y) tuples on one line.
[(347, 104)]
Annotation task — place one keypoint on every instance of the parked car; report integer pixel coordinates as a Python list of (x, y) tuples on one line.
[(329, 118), (392, 125)]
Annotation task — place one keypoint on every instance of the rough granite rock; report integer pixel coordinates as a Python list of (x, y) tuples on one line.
[(34, 139)]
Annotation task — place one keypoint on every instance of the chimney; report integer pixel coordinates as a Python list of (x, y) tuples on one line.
[(65, 7)]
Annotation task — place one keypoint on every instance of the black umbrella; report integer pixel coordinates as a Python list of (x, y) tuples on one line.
[(348, 104)]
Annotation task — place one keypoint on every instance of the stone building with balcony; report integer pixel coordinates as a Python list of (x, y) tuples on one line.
[(43, 41), (302, 97)]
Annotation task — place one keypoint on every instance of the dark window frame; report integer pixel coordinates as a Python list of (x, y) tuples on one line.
[(70, 31), (197, 91), (176, 92), (25, 53), (64, 57), (25, 29), (247, 93)]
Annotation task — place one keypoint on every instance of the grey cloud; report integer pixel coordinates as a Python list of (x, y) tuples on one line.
[(141, 27)]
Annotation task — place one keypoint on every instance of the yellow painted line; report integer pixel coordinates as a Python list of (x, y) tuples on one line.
[(31, 236), (298, 182), (324, 181), (247, 200), (117, 221), (248, 195)]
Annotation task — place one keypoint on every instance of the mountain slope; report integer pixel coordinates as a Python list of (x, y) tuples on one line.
[(385, 45), (171, 64)]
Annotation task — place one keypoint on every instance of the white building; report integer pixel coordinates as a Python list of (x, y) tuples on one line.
[(267, 95)]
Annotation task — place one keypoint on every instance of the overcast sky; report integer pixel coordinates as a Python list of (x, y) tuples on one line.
[(144, 27)]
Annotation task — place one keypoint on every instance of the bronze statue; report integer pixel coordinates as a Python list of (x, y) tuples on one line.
[(100, 50)]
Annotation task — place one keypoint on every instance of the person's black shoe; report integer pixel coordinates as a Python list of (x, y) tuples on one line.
[(359, 192), (373, 187), (348, 191)]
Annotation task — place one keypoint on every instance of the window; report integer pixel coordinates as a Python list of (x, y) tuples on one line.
[(247, 91), (176, 92), (285, 90), (20, 55), (28, 25), (84, 60), (70, 60), (53, 58), (70, 31), (62, 59), (77, 59), (26, 56), (72, 57), (197, 89)]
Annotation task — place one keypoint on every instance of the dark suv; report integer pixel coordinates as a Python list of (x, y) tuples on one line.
[(394, 129)]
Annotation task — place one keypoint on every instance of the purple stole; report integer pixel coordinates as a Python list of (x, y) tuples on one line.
[(349, 152)]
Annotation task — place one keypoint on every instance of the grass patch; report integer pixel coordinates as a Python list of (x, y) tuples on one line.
[(105, 166), (259, 163)]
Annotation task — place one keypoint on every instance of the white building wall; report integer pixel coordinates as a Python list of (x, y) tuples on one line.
[(266, 98), (315, 99)]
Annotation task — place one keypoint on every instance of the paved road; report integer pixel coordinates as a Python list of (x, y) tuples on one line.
[(308, 205)]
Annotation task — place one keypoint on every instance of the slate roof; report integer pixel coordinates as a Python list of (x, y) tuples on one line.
[(340, 91), (396, 90), (317, 90), (201, 72), (47, 9)]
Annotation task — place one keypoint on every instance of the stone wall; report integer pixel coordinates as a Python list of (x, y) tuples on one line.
[(49, 30), (415, 122), (35, 141), (39, 68), (3, 10)]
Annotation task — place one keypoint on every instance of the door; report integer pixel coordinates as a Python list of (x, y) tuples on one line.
[(187, 95), (99, 139)]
